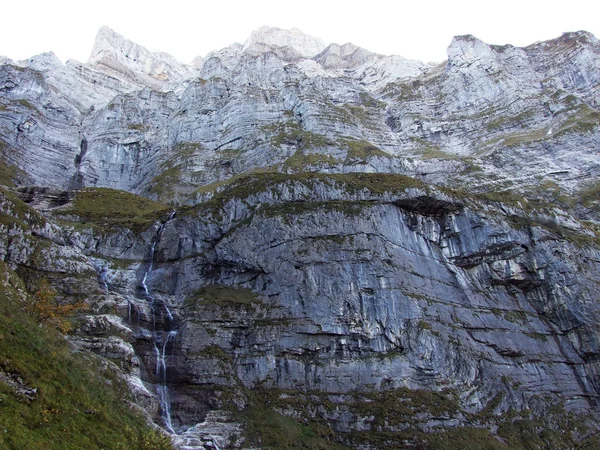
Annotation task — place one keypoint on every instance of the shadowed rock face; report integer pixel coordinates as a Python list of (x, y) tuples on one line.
[(302, 284), (335, 259)]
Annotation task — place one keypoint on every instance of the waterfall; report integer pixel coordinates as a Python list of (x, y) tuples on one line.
[(102, 272), (161, 336)]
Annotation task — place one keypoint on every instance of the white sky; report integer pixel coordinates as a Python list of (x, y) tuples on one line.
[(418, 29)]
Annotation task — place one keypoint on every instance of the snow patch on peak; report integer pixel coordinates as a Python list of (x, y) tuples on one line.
[(275, 39)]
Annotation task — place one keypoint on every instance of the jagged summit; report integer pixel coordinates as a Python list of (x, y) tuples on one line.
[(44, 61), (345, 56), (114, 53), (466, 49), (292, 43), (580, 37)]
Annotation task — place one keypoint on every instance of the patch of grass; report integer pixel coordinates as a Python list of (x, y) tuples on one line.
[(549, 191), (8, 173), (362, 151), (368, 100), (249, 184), (535, 433), (489, 410), (111, 208), (536, 210), (26, 104), (589, 196), (214, 352), (471, 169), (290, 133), (395, 419), (538, 336), (228, 153), (436, 153), (505, 120), (301, 160), (269, 429), (14, 211), (289, 209), (459, 438), (363, 115), (519, 317), (78, 403), (423, 325), (163, 185), (185, 150), (582, 119), (378, 183), (224, 297), (526, 138), (398, 406)]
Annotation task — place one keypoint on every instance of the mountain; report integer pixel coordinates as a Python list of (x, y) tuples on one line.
[(292, 244)]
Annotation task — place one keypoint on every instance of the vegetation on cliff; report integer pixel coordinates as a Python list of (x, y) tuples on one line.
[(53, 398)]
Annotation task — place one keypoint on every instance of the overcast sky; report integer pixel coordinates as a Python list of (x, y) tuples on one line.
[(416, 29)]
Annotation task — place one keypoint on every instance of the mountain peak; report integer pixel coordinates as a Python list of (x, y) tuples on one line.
[(466, 49), (275, 39), (126, 59), (345, 56), (44, 61), (107, 40)]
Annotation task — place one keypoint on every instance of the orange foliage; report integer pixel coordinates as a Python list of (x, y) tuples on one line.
[(46, 309)]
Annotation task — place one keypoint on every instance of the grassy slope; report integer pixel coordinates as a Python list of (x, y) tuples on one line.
[(75, 407), (111, 208)]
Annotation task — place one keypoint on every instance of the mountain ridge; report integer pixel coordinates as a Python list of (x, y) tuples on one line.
[(365, 251)]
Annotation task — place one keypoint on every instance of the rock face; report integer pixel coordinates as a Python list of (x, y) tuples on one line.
[(159, 128), (387, 252), (288, 44), (114, 54)]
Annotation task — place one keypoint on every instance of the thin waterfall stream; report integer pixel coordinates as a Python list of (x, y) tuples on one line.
[(162, 334)]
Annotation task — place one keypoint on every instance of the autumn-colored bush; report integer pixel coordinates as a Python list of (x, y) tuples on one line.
[(46, 309)]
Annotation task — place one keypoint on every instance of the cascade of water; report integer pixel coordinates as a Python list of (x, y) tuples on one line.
[(161, 378), (102, 272), (103, 278), (161, 337)]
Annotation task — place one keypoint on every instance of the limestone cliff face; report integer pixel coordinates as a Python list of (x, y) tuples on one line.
[(112, 53), (148, 121), (386, 251)]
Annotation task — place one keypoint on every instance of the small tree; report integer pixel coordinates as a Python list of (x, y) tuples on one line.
[(43, 305)]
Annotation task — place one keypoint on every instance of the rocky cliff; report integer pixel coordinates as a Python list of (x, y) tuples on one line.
[(358, 250)]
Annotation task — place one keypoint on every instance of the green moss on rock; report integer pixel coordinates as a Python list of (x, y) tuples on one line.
[(224, 297), (111, 208), (362, 151)]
